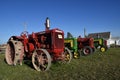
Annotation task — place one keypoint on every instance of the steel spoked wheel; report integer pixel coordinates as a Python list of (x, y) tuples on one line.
[(67, 55), (10, 53), (41, 60), (87, 50)]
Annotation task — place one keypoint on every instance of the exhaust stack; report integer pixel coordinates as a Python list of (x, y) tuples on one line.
[(47, 24)]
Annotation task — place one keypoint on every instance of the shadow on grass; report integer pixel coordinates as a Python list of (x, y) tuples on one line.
[(28, 63)]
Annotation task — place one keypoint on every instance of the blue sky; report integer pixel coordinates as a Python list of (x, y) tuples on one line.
[(68, 15)]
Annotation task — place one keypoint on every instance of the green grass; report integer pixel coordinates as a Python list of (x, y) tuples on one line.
[(98, 66)]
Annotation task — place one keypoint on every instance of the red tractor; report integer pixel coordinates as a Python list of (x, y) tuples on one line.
[(41, 48), (86, 45)]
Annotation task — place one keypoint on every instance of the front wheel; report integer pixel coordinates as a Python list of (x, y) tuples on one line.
[(77, 55), (87, 50), (67, 55), (103, 49), (41, 60)]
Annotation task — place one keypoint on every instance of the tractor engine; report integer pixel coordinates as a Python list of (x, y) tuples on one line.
[(40, 47)]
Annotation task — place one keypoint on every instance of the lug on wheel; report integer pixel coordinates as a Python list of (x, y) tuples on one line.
[(67, 55), (41, 60)]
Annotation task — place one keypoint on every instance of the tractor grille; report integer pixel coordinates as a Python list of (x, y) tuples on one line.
[(59, 41)]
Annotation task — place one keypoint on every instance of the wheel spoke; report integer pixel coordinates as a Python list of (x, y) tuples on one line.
[(67, 56), (44, 66)]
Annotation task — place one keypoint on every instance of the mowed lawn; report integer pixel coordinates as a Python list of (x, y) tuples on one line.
[(98, 66)]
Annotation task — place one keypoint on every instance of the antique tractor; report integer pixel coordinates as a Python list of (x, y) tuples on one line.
[(100, 44), (86, 45), (71, 43), (41, 48), (79, 46)]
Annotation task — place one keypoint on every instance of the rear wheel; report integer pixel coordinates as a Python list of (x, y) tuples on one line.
[(10, 53), (87, 50), (41, 60), (93, 49), (14, 52)]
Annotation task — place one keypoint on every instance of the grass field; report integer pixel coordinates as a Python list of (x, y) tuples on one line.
[(98, 66)]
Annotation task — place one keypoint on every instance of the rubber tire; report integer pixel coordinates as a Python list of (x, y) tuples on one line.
[(94, 50), (87, 48)]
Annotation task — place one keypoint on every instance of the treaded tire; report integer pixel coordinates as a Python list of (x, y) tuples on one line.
[(87, 50)]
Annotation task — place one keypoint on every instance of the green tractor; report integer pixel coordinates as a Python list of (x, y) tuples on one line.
[(71, 43), (100, 44), (79, 46)]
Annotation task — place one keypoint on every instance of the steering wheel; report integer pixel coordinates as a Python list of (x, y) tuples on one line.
[(24, 33)]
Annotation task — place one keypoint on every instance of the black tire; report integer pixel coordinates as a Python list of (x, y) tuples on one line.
[(41, 60), (80, 52), (93, 49), (87, 50)]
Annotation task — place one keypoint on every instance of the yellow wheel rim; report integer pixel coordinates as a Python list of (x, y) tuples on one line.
[(67, 57), (75, 55), (102, 49)]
